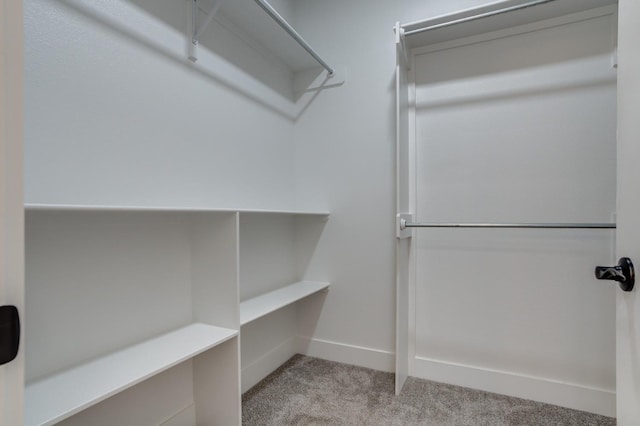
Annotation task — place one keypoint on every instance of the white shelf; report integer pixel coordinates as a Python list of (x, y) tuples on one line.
[(58, 397), (528, 15), (178, 209), (260, 306)]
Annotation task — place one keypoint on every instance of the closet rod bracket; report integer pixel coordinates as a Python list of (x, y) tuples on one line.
[(402, 230), (196, 31)]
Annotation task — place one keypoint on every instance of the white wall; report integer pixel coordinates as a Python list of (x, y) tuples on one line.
[(345, 156), (116, 114), (111, 118), (345, 162)]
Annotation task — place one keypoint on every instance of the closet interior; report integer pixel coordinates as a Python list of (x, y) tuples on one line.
[(163, 314), (125, 296), (207, 194), (507, 193)]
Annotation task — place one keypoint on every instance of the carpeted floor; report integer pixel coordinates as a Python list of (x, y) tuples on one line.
[(311, 391)]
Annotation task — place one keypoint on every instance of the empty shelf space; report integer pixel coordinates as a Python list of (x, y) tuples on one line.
[(262, 305), (58, 397)]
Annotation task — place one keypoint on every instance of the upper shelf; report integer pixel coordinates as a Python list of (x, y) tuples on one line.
[(491, 17), (242, 48), (248, 17), (115, 208)]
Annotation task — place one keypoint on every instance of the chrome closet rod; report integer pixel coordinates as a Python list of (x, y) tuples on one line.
[(293, 33), (475, 17), (404, 224)]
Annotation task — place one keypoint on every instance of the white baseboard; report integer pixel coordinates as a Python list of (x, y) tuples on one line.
[(347, 354), (332, 351), (570, 395), (267, 363)]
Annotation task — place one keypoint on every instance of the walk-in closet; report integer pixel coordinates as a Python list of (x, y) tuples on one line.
[(381, 208)]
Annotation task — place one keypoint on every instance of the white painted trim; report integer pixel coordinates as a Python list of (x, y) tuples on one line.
[(332, 351), (348, 354), (12, 287), (267, 363), (565, 394), (413, 207), (628, 209)]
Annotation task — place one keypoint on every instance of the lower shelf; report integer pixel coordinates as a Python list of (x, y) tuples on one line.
[(60, 396), (260, 306)]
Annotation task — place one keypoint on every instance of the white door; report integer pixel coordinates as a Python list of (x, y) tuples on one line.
[(11, 199), (628, 231)]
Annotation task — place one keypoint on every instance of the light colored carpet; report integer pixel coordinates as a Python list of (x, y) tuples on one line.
[(311, 391)]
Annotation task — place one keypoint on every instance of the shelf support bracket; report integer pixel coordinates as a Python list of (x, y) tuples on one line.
[(402, 231), (197, 32)]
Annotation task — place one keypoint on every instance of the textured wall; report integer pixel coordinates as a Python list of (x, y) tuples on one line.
[(115, 114)]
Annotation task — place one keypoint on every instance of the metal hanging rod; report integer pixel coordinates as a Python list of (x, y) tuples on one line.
[(475, 17), (293, 33), (197, 32), (404, 224)]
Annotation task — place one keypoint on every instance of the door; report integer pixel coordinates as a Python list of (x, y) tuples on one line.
[(628, 231), (11, 198)]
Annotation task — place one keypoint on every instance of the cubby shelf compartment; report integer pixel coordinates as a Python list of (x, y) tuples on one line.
[(58, 397), (252, 309)]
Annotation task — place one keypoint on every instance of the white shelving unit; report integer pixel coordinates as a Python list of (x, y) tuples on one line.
[(55, 398), (276, 250), (137, 310), (259, 306), (161, 209)]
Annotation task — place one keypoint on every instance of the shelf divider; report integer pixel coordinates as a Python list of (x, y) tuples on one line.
[(55, 398), (252, 309)]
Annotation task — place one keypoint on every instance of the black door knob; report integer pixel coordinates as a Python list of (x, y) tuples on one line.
[(623, 273), (9, 333)]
